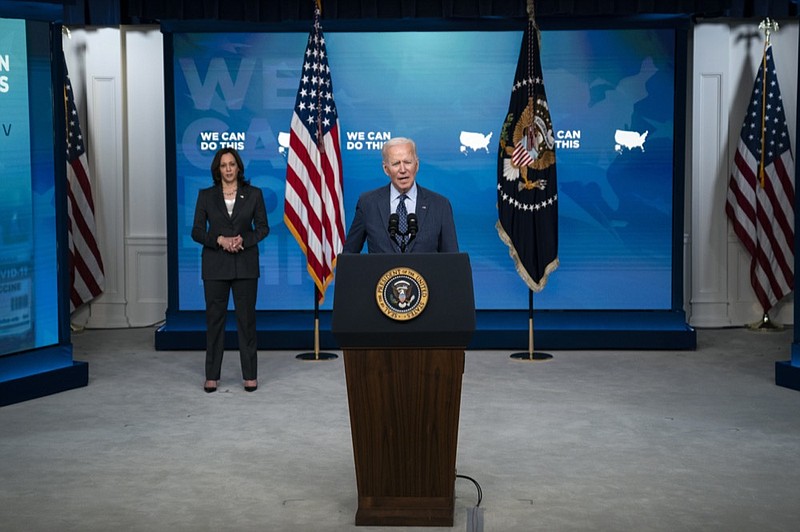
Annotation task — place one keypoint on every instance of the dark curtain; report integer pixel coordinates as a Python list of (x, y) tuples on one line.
[(116, 12)]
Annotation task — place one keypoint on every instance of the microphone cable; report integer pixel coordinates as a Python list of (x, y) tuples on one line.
[(477, 486)]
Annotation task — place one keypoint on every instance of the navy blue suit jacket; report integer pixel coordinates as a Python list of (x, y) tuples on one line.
[(249, 219), (436, 228)]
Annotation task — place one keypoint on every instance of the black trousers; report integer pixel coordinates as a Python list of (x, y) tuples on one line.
[(244, 302)]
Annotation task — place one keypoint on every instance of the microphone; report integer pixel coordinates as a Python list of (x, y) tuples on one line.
[(394, 221), (412, 226)]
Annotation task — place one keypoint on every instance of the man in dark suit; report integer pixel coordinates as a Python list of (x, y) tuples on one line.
[(424, 219), (230, 220)]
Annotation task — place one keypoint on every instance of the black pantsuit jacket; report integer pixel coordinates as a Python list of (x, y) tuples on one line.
[(211, 220)]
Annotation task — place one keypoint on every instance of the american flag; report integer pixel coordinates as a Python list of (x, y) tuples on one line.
[(314, 204), (85, 263), (527, 194), (760, 200)]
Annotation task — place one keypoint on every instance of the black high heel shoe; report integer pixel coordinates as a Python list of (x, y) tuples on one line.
[(210, 389), (250, 388)]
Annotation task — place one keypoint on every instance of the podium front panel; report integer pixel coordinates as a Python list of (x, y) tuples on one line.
[(404, 410)]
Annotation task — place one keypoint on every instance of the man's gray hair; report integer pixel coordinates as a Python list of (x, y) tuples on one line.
[(394, 141)]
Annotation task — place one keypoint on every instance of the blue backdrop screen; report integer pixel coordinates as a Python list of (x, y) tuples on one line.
[(612, 96), (28, 263)]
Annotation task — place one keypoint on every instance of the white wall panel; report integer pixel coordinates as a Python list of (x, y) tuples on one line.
[(145, 144), (709, 142), (99, 61), (145, 176), (147, 280)]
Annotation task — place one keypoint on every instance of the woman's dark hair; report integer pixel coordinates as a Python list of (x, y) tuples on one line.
[(215, 173)]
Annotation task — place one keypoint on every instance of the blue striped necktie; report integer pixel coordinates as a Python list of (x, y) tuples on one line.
[(402, 215)]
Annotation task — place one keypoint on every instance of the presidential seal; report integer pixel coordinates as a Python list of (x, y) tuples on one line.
[(401, 294), (529, 146)]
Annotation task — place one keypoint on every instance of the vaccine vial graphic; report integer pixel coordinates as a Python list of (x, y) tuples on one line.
[(16, 275)]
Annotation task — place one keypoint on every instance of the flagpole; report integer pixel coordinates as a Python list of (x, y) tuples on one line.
[(765, 324), (530, 355), (318, 170), (316, 355), (528, 155), (768, 26)]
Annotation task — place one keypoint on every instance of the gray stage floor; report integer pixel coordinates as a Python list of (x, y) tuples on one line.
[(591, 440)]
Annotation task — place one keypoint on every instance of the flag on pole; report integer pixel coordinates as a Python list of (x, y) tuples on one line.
[(85, 262), (527, 197), (314, 203), (760, 202)]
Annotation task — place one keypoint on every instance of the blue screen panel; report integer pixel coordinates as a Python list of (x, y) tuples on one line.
[(28, 263), (611, 94)]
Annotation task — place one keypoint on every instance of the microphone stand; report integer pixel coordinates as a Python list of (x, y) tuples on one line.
[(411, 232), (402, 242), (412, 227)]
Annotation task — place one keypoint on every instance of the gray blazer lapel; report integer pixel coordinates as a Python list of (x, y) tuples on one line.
[(421, 212), (385, 207), (423, 206), (385, 211)]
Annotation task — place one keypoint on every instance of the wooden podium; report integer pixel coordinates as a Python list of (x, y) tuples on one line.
[(403, 322)]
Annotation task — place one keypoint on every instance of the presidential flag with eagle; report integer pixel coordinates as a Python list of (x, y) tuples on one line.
[(527, 196)]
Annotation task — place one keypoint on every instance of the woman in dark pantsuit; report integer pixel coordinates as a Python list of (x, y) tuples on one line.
[(230, 219)]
